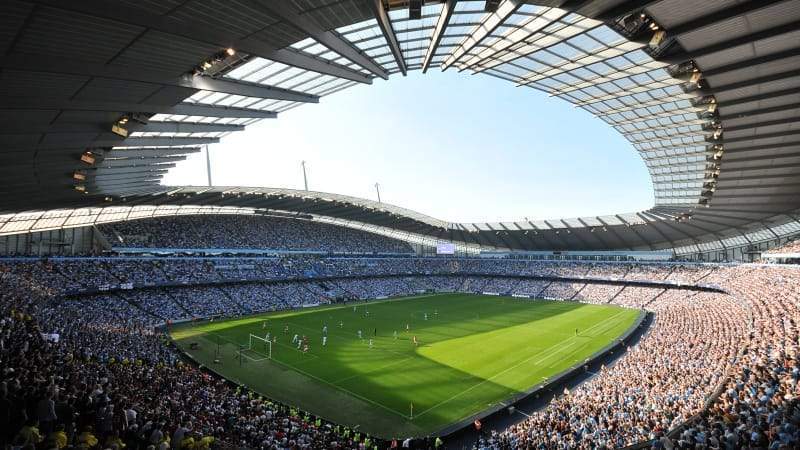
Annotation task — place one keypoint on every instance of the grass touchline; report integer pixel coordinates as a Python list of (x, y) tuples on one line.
[(362, 366)]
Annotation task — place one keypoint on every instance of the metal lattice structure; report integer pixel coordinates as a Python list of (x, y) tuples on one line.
[(705, 92)]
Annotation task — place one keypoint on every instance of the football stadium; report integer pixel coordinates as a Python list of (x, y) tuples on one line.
[(137, 313)]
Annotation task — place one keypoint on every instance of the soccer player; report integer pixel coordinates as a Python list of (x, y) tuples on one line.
[(264, 325), (305, 349), (426, 316), (325, 330), (341, 324), (370, 342), (395, 335), (408, 327), (286, 329), (359, 334), (295, 339), (576, 331), (415, 342), (299, 344), (324, 341)]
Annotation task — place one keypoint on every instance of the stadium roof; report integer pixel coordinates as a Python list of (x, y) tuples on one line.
[(708, 93)]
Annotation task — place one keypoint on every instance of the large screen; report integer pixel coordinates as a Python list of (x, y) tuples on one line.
[(445, 248)]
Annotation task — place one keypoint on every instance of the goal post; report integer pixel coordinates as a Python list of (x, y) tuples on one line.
[(261, 345)]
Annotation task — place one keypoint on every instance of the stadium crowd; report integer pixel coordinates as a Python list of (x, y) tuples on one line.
[(789, 247), (247, 232), (89, 369), (90, 374)]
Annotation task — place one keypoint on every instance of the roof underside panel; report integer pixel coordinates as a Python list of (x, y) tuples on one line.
[(708, 99)]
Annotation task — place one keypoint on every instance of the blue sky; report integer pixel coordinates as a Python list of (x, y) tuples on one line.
[(455, 146)]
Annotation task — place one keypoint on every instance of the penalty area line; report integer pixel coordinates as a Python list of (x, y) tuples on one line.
[(340, 388), (335, 386), (551, 351)]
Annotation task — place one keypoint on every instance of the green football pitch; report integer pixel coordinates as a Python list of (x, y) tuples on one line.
[(473, 352)]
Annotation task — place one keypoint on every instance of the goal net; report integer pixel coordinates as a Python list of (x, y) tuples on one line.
[(261, 345)]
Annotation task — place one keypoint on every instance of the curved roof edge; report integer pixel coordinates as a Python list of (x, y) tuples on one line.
[(654, 229)]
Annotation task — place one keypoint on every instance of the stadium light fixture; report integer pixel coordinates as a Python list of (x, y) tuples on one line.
[(88, 158), (230, 52), (491, 6), (658, 38), (119, 128)]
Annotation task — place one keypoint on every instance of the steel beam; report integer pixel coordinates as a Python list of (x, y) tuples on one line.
[(438, 32), (749, 148), (26, 128), (285, 11), (760, 111), (793, 186), (118, 175), (756, 137), (735, 42), (112, 178), (188, 109), (245, 89), (154, 126), (590, 230), (296, 58), (114, 187), (633, 230), (786, 176), (652, 223), (487, 27), (154, 142), (385, 24), (770, 166), (612, 229), (138, 169), (218, 36), (152, 163), (188, 127), (749, 82), (199, 109), (767, 123), (720, 16), (150, 152), (623, 9), (749, 63), (757, 156), (48, 64)]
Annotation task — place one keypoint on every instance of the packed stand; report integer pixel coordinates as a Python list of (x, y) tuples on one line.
[(659, 383), (74, 375), (108, 343), (247, 232)]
